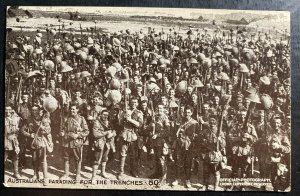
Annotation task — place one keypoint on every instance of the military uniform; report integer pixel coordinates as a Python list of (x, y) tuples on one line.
[(11, 142), (24, 113), (161, 129), (38, 135), (102, 145), (129, 144), (261, 148), (213, 158), (242, 159), (278, 156), (75, 132), (185, 146)]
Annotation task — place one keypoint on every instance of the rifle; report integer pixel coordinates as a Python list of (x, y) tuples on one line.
[(220, 127), (153, 116), (18, 95), (7, 91)]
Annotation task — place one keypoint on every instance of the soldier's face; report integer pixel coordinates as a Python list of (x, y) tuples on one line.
[(279, 102), (25, 98), (8, 112), (73, 110), (57, 91), (160, 109), (52, 83), (134, 103), (77, 95), (172, 93), (35, 111), (229, 88), (261, 114), (217, 100), (104, 116), (194, 98), (190, 89), (188, 113), (277, 124), (95, 100), (44, 81), (59, 78), (168, 87), (144, 105), (205, 107), (243, 115), (287, 88)]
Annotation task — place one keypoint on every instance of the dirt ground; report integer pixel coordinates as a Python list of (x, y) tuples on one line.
[(143, 182)]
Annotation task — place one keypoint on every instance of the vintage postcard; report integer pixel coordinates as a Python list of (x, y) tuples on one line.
[(147, 99)]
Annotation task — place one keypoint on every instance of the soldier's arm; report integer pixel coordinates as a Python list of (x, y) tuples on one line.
[(139, 122), (64, 127), (45, 129), (222, 140), (285, 145), (24, 131), (85, 129), (254, 134), (166, 132), (98, 130)]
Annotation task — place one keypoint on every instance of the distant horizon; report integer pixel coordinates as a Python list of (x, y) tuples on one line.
[(189, 13)]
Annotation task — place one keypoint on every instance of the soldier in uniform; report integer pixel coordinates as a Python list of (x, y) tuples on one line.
[(11, 142), (279, 148), (74, 134), (184, 146), (159, 134), (81, 103), (242, 157), (36, 132), (103, 143), (24, 113), (132, 121), (213, 146), (263, 129)]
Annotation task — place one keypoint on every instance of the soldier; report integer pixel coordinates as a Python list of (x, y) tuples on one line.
[(213, 155), (11, 142), (242, 157), (24, 113), (74, 134), (132, 121), (36, 132), (263, 129), (81, 103), (147, 117), (184, 146), (103, 143), (159, 134), (279, 148)]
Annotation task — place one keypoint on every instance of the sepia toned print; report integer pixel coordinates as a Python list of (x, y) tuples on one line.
[(147, 99)]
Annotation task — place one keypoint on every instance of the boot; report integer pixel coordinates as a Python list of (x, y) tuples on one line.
[(16, 170), (67, 170), (35, 174), (177, 175), (78, 170), (188, 184), (122, 164), (45, 173), (94, 173), (103, 172), (217, 182)]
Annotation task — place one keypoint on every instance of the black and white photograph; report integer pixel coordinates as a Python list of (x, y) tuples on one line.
[(147, 98)]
